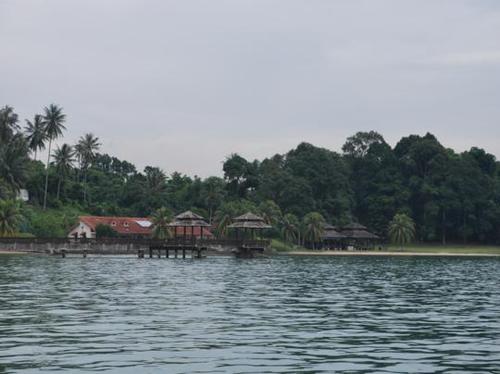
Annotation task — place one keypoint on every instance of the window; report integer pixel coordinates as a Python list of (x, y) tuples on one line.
[(113, 223), (125, 224)]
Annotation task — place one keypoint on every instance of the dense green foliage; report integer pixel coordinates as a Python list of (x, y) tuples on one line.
[(105, 231), (449, 196)]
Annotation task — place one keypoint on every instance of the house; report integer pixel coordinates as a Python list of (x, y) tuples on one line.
[(130, 227)]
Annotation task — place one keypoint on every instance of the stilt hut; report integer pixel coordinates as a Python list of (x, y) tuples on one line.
[(359, 237), (332, 238), (248, 223), (189, 222)]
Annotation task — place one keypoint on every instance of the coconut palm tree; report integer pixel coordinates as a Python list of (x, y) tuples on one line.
[(10, 217), (86, 150), (160, 219), (63, 162), (223, 222), (13, 154), (53, 120), (8, 123), (290, 227), (313, 225), (401, 229), (35, 134)]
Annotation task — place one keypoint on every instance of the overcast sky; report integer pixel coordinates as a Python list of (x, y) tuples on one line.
[(182, 84)]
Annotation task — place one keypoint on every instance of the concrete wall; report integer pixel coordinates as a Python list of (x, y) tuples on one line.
[(72, 246)]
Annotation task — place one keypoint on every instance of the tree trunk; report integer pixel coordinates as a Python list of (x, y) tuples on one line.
[(47, 178), (464, 231), (59, 187), (443, 227)]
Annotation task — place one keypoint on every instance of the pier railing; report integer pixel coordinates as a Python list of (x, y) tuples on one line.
[(179, 241)]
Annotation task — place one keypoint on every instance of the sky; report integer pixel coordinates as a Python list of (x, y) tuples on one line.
[(183, 84)]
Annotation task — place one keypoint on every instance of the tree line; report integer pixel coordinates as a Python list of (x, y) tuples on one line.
[(446, 195)]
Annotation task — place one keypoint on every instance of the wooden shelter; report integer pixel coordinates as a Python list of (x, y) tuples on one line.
[(248, 222), (332, 238), (189, 220), (244, 224), (358, 236)]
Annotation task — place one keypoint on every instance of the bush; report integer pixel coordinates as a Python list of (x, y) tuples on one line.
[(105, 231)]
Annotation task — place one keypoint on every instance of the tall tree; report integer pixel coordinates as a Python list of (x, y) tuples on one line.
[(314, 224), (213, 190), (63, 162), (53, 120), (36, 134), (401, 229), (290, 228), (13, 154), (161, 219), (86, 150)]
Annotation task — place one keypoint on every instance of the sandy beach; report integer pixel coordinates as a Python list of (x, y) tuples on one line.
[(387, 253)]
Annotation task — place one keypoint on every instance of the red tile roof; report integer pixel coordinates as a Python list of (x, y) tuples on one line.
[(122, 225), (131, 226)]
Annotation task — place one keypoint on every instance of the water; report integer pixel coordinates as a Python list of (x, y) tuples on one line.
[(224, 315)]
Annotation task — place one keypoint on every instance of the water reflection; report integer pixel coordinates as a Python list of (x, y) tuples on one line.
[(357, 314)]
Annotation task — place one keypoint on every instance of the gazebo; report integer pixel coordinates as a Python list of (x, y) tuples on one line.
[(332, 238), (359, 235), (191, 220), (249, 222)]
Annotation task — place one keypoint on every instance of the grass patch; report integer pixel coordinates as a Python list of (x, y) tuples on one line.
[(436, 248), (281, 246)]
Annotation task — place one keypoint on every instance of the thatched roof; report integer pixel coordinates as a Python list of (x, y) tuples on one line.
[(188, 219), (332, 234), (354, 226), (358, 231), (249, 221)]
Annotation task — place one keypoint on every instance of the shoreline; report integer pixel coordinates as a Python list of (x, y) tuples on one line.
[(387, 253)]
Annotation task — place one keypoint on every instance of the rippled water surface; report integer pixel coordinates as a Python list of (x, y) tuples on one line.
[(218, 315)]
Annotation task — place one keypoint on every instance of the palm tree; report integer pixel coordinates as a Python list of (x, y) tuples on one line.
[(160, 219), (314, 224), (290, 227), (10, 217), (13, 154), (8, 123), (86, 150), (223, 221), (53, 120), (63, 161), (35, 134), (13, 162), (401, 229)]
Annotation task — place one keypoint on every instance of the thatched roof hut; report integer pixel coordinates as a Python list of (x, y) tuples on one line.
[(331, 233), (249, 221), (188, 219), (358, 231)]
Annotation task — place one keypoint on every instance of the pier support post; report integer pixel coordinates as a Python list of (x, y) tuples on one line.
[(159, 252), (63, 253), (150, 252), (183, 252), (175, 252), (84, 253), (166, 252)]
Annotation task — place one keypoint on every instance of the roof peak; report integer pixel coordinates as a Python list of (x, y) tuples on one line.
[(249, 216)]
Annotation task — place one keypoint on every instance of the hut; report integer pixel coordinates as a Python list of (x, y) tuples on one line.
[(332, 238), (248, 223), (358, 236), (189, 224)]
